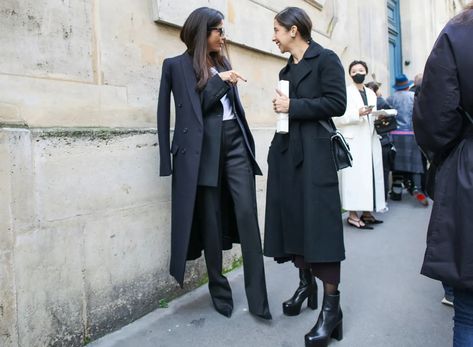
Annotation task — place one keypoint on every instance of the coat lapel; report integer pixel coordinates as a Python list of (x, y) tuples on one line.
[(301, 72), (191, 82), (304, 67)]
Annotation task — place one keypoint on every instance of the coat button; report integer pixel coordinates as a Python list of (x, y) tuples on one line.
[(183, 151), (185, 130), (179, 105)]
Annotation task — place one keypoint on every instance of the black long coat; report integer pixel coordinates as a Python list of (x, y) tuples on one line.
[(195, 152), (439, 126), (303, 211)]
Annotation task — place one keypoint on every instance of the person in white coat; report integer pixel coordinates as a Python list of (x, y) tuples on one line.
[(362, 185)]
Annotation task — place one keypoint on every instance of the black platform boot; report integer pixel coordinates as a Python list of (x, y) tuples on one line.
[(307, 290), (329, 325)]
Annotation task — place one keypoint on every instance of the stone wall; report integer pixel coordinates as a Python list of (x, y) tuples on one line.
[(84, 217)]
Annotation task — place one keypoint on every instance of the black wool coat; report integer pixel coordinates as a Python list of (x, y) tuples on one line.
[(440, 128), (195, 152), (303, 210)]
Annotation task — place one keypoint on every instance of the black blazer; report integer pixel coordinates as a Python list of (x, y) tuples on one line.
[(195, 147), (212, 111)]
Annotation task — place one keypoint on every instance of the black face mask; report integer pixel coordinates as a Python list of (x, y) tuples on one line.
[(358, 78)]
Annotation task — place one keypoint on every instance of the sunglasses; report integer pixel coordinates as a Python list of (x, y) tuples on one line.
[(221, 31)]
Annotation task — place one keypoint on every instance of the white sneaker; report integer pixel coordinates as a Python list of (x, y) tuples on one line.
[(447, 302)]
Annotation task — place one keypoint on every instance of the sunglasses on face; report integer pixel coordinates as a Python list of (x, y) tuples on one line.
[(221, 31)]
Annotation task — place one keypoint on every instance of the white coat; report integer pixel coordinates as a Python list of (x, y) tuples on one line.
[(357, 182)]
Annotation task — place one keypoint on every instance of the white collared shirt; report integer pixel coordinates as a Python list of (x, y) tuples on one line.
[(226, 102)]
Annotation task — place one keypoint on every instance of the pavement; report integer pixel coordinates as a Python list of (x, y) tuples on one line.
[(385, 301)]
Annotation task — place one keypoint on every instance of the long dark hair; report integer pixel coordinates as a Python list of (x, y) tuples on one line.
[(295, 16), (194, 34)]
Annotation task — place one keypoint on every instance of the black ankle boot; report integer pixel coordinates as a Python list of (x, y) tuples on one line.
[(329, 324), (307, 290)]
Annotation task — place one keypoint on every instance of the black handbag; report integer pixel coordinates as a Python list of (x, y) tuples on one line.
[(437, 161), (340, 148), (385, 125)]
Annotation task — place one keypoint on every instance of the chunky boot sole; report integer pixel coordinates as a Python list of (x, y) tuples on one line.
[(312, 301), (337, 334), (323, 342), (292, 310), (295, 309)]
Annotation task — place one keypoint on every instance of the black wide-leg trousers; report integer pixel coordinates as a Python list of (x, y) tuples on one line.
[(237, 174)]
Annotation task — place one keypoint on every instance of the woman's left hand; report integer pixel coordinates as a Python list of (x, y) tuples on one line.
[(281, 102)]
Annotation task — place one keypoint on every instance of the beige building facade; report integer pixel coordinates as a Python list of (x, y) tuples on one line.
[(84, 217)]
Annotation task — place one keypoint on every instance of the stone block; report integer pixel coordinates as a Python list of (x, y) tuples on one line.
[(83, 172), (126, 265), (49, 103), (50, 285), (47, 38), (10, 114), (8, 312)]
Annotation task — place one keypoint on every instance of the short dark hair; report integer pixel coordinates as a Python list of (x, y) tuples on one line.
[(356, 62), (295, 16)]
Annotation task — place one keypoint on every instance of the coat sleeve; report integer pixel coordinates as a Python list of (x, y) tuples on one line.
[(332, 103), (164, 101), (383, 104), (437, 121), (213, 91), (351, 115)]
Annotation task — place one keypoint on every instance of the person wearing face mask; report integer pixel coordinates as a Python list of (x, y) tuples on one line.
[(213, 163), (303, 212), (362, 185)]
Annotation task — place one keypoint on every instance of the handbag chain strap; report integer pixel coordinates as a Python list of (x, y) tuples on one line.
[(467, 115), (327, 126)]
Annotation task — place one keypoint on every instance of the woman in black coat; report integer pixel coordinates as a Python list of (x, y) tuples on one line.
[(213, 163), (303, 211), (443, 128)]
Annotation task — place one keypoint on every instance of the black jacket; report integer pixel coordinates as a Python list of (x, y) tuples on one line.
[(441, 128), (195, 151)]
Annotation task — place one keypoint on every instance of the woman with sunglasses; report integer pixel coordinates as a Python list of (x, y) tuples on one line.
[(213, 163)]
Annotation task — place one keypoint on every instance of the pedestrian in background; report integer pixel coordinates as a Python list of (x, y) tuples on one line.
[(408, 164), (303, 212), (417, 84), (362, 185), (443, 126), (387, 146), (213, 163)]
